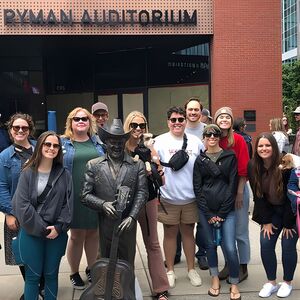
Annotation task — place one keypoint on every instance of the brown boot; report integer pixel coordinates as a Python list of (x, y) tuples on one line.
[(224, 273), (243, 273)]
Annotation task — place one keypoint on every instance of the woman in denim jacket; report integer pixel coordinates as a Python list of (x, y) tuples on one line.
[(80, 144), (20, 128)]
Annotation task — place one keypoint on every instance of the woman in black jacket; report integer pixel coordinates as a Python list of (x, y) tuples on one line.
[(215, 183), (43, 207), (272, 210)]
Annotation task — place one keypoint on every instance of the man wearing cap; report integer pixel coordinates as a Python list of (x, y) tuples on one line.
[(296, 145), (103, 177), (100, 112), (205, 116)]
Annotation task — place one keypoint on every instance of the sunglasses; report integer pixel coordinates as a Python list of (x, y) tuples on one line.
[(49, 145), (211, 134), (179, 120), (83, 119), (17, 128), (136, 125)]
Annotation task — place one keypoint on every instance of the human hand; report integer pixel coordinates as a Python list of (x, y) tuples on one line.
[(288, 233), (239, 200), (267, 230), (53, 233), (11, 222), (126, 224), (110, 210)]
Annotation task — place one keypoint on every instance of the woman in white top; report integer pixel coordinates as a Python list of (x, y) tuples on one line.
[(281, 137)]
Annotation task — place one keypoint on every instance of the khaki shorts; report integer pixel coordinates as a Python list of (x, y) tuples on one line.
[(186, 214)]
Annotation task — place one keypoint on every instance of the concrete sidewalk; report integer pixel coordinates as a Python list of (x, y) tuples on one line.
[(11, 283)]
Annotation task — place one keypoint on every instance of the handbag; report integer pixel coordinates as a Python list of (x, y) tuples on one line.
[(179, 159)]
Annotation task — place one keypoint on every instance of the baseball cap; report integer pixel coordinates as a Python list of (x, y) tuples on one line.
[(297, 110), (99, 105), (206, 112)]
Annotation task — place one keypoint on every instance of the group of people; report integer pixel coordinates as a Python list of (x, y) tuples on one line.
[(198, 172)]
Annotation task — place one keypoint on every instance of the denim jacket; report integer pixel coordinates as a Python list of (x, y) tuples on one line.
[(10, 169), (69, 150)]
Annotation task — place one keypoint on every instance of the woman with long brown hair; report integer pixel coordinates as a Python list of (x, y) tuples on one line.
[(272, 210)]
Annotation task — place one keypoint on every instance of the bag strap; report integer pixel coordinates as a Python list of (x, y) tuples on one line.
[(298, 214), (42, 196), (184, 145)]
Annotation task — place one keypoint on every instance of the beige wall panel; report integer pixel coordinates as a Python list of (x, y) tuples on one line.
[(204, 17), (112, 103), (161, 99), (132, 102), (63, 104)]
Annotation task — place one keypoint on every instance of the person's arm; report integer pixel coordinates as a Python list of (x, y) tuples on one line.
[(65, 218), (24, 211)]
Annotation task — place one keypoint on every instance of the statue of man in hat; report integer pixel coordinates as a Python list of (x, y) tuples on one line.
[(103, 177)]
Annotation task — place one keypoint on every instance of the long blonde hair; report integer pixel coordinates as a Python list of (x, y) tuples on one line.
[(277, 125), (68, 127)]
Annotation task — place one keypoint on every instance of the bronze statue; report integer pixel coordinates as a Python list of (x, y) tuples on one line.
[(103, 178)]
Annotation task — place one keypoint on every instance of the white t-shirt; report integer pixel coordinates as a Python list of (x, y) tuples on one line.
[(282, 140), (178, 188), (196, 131)]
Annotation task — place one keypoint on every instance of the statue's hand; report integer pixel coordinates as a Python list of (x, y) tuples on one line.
[(109, 210), (126, 224)]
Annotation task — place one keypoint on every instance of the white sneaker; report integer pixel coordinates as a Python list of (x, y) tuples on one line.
[(284, 290), (194, 277), (267, 290), (171, 278)]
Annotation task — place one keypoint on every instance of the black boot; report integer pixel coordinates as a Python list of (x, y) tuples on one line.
[(224, 273)]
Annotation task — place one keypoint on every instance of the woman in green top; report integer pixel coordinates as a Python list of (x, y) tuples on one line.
[(79, 146)]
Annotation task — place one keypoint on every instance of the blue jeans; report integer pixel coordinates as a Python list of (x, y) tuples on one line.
[(242, 228), (228, 245), (41, 256), (288, 248), (199, 241)]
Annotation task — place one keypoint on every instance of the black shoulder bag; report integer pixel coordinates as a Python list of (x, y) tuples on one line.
[(179, 159)]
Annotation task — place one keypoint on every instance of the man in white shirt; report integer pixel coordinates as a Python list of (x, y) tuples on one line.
[(177, 194)]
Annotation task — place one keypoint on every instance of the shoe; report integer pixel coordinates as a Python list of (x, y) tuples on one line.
[(171, 278), (233, 295), (202, 262), (267, 290), (177, 260), (77, 281), (284, 290), (215, 293), (224, 274), (194, 277), (88, 274), (162, 296)]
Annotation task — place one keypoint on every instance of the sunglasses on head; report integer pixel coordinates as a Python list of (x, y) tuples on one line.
[(179, 120), (17, 128), (211, 134), (83, 119), (49, 145), (136, 125)]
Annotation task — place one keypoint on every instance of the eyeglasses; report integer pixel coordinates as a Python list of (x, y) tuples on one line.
[(211, 134), (18, 128), (179, 120), (49, 145), (136, 125), (101, 115), (83, 119)]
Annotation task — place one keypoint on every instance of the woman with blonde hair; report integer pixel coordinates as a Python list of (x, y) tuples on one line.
[(137, 123), (79, 146), (280, 135)]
